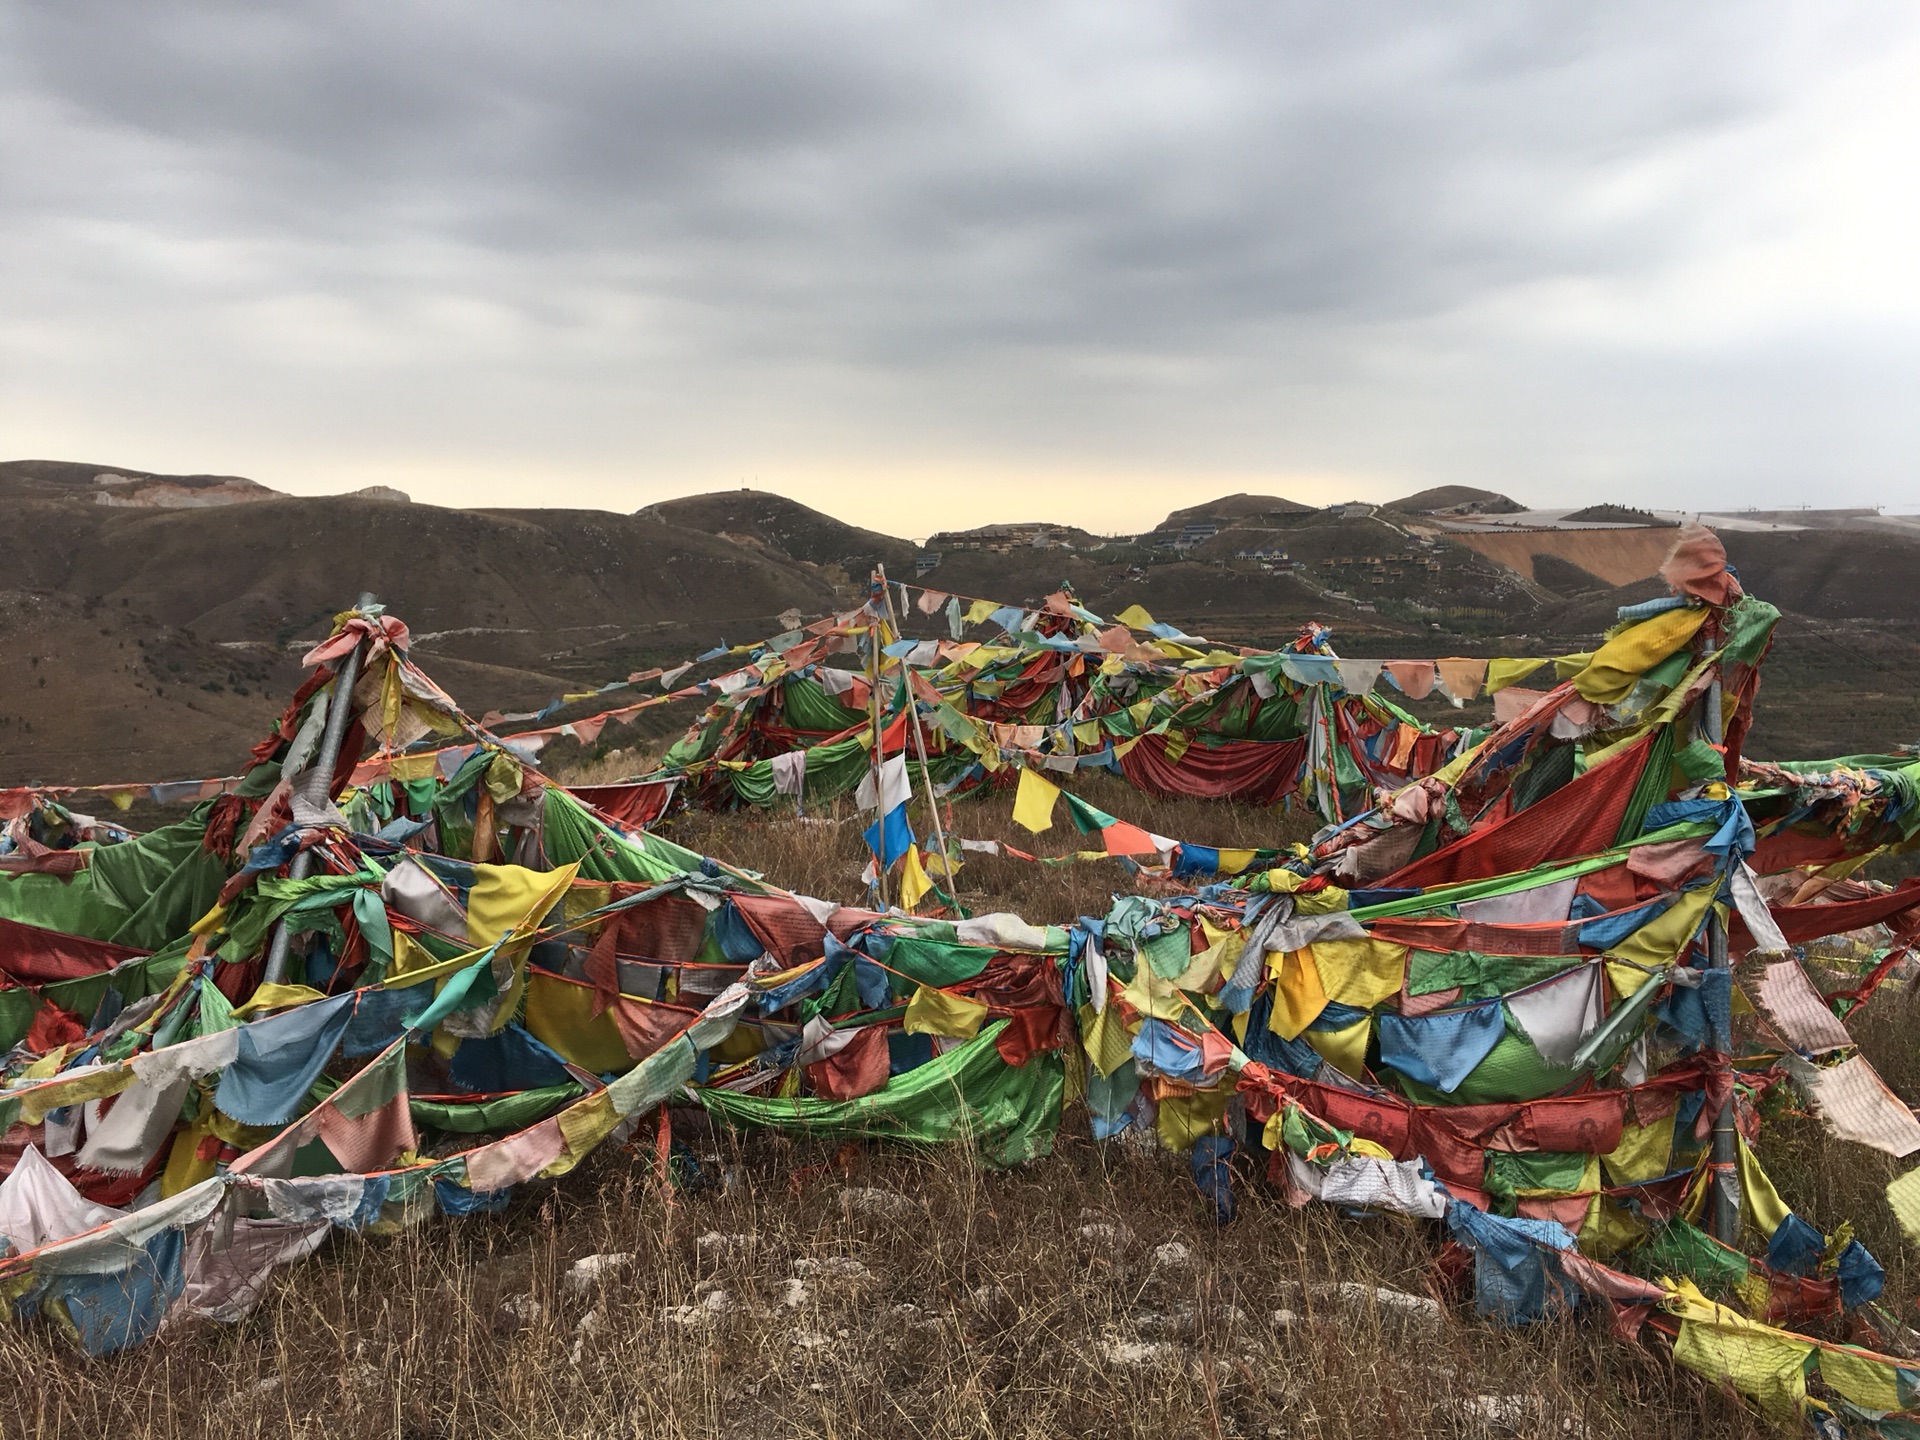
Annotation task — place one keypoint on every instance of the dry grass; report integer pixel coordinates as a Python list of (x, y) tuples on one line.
[(981, 1308), (973, 1305), (822, 853)]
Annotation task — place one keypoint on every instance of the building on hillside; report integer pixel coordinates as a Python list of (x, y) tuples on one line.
[(1001, 539), (1188, 536)]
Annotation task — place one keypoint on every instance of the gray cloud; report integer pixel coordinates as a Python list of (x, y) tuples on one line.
[(1629, 252)]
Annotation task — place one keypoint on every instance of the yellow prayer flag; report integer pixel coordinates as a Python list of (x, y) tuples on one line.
[(1105, 1037), (1903, 1197), (1763, 1363), (1345, 1049), (414, 767), (512, 899), (1232, 862), (1659, 942), (1033, 802), (1618, 665), (914, 884), (1360, 973), (1183, 1119), (1642, 1154), (1764, 1209), (1502, 673), (1869, 1383), (1609, 1228), (185, 1168), (36, 1104), (560, 1015), (980, 610), (1298, 996), (279, 997), (1135, 617), (585, 1123), (937, 1012)]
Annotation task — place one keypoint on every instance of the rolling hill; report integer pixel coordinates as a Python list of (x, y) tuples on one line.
[(156, 634)]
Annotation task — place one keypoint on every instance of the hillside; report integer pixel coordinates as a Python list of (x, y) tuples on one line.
[(1456, 500), (145, 641), (1618, 557), (149, 642), (1234, 507), (784, 527), (116, 486)]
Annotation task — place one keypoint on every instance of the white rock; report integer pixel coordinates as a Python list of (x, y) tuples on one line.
[(1518, 1415), (1152, 1322), (984, 1296), (912, 1317), (866, 1200), (831, 1267), (1352, 1292), (794, 1294), (1104, 1234), (593, 1270), (1285, 1319), (713, 1244), (807, 1339), (1141, 1352), (521, 1309), (1171, 1255), (590, 1325)]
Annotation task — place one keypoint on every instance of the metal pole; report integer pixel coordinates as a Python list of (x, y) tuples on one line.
[(920, 747), (320, 773), (873, 711), (1726, 1140)]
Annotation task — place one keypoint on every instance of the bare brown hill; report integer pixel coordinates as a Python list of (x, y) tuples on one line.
[(509, 607), (1835, 574), (1456, 500), (785, 526), (1618, 557), (114, 485), (275, 568), (1233, 507)]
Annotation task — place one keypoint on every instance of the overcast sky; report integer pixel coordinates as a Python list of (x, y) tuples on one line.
[(923, 265)]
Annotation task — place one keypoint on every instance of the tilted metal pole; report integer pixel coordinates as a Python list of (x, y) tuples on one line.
[(1726, 1139), (339, 711), (873, 708), (920, 744)]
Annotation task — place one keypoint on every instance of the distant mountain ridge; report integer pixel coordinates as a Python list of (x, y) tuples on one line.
[(116, 486), (158, 637)]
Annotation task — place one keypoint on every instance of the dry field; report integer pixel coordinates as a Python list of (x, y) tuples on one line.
[(787, 1289)]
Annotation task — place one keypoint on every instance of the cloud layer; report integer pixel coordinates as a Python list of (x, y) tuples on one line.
[(1082, 261)]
